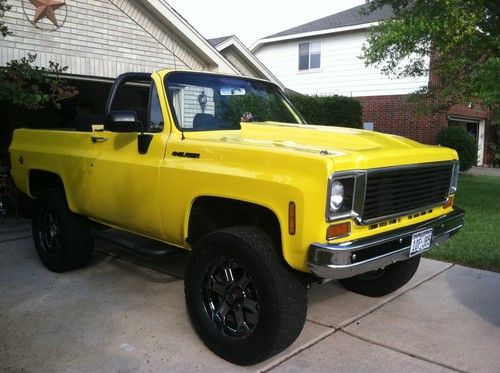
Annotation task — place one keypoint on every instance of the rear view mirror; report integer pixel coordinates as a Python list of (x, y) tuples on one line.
[(123, 121), (232, 91)]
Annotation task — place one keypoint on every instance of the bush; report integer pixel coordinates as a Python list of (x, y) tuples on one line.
[(33, 87), (328, 110), (495, 147), (458, 138)]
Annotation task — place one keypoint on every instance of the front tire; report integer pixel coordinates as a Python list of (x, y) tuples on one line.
[(383, 281), (63, 239), (244, 302)]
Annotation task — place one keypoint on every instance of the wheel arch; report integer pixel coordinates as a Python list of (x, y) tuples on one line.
[(41, 179), (209, 213)]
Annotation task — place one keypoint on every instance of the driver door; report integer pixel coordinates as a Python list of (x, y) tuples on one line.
[(124, 184)]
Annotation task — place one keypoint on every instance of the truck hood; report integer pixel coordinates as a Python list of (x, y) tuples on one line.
[(348, 147)]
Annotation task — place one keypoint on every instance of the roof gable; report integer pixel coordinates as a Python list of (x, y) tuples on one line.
[(347, 20), (227, 43), (187, 33), (349, 17), (216, 41)]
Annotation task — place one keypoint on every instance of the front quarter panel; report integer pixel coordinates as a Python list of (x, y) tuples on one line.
[(270, 178)]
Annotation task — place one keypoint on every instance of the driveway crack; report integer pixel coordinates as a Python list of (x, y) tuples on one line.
[(413, 355)]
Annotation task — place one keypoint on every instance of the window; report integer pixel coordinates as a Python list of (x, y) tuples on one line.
[(309, 56), (134, 96), (368, 126), (202, 102), (155, 122)]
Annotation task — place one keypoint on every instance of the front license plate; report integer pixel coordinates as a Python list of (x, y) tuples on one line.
[(421, 241)]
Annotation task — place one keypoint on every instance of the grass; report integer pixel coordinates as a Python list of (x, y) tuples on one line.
[(477, 244)]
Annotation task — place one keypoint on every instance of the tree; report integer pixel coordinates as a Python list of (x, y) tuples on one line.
[(30, 86), (463, 37), (33, 87), (4, 7)]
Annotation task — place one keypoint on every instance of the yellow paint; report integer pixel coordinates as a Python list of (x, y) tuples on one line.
[(268, 164)]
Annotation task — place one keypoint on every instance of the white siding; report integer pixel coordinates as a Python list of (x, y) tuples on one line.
[(99, 38), (191, 105), (342, 71)]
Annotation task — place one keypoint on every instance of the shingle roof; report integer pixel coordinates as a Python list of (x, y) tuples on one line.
[(349, 17), (216, 41)]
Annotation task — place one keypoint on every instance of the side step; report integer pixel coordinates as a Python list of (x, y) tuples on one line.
[(134, 243)]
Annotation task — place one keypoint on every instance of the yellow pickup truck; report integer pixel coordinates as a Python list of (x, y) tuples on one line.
[(225, 167)]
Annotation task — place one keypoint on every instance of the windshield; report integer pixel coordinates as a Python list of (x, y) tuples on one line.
[(202, 102)]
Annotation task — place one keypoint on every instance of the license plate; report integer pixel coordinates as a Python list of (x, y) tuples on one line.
[(421, 241)]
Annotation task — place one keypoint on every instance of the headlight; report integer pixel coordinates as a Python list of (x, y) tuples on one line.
[(454, 177), (340, 195), (336, 196)]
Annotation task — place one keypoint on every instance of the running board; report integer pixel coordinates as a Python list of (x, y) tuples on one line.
[(138, 245)]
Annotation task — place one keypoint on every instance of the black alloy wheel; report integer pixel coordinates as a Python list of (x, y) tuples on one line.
[(63, 239), (230, 298), (49, 232), (243, 300)]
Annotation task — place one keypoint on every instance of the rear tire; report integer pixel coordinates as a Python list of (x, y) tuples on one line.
[(244, 302), (383, 281), (62, 239)]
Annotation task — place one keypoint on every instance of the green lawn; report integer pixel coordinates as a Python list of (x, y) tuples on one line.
[(478, 242)]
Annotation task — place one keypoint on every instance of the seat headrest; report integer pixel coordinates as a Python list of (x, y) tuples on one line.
[(205, 122)]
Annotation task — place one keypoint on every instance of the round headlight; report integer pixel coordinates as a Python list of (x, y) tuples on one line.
[(336, 195)]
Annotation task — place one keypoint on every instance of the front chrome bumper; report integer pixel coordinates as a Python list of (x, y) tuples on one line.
[(346, 259)]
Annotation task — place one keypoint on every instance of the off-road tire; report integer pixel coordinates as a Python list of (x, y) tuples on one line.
[(281, 295), (384, 281), (63, 239)]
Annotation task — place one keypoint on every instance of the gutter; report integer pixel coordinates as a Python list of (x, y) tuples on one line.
[(259, 43)]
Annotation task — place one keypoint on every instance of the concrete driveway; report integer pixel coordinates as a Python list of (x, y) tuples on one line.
[(123, 313)]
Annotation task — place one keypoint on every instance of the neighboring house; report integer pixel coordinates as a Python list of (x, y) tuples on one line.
[(242, 59), (101, 39), (323, 57)]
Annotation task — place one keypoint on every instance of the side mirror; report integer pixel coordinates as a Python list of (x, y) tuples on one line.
[(123, 121)]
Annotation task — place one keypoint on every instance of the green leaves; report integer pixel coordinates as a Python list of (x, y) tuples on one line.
[(4, 7), (495, 148), (34, 87), (462, 36), (458, 138), (328, 110)]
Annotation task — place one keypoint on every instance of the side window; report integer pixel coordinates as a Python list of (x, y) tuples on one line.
[(155, 117), (194, 106), (135, 96), (309, 56)]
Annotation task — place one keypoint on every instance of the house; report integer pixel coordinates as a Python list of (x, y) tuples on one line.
[(100, 39), (242, 59), (103, 38), (323, 57)]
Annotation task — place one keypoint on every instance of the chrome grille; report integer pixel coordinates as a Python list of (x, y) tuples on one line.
[(396, 191)]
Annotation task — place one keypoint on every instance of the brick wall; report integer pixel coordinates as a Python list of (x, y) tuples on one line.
[(396, 115)]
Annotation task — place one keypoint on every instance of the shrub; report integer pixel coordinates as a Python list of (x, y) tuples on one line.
[(458, 138), (495, 147), (328, 110), (33, 87)]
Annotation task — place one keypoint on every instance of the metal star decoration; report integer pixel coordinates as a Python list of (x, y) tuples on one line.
[(46, 8)]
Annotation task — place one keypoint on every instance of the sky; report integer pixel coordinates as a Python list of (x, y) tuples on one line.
[(251, 20)]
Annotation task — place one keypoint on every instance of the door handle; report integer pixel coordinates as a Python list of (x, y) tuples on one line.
[(98, 139)]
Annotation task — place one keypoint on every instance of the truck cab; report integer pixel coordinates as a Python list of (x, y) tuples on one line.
[(224, 167)]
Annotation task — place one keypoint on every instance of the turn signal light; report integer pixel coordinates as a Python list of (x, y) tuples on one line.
[(449, 202), (338, 230), (291, 218)]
